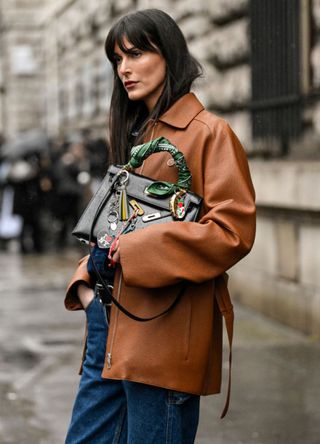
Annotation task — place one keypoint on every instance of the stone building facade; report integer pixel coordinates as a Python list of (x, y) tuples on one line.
[(21, 66), (69, 90)]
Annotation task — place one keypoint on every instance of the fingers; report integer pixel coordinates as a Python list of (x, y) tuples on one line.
[(114, 253), (116, 256)]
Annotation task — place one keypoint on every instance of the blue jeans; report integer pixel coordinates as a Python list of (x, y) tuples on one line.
[(122, 412)]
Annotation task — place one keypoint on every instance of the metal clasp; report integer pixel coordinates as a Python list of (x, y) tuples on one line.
[(151, 216), (124, 173)]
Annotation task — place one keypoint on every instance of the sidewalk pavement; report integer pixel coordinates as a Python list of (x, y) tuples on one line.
[(275, 388)]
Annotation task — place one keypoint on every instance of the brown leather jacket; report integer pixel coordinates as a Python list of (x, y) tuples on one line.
[(183, 349)]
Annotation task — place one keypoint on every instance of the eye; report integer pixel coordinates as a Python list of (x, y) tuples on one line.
[(117, 59), (136, 53)]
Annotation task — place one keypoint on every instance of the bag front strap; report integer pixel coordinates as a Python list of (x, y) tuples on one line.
[(227, 313)]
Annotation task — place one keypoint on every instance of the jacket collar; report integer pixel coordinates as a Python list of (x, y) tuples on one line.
[(182, 111)]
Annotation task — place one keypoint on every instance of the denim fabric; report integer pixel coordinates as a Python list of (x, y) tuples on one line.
[(123, 412), (100, 258)]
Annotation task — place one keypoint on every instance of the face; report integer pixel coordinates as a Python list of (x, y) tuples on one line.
[(141, 72)]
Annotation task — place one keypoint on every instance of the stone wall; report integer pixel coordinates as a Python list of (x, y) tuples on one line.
[(280, 277), (217, 33), (315, 65), (21, 66), (79, 79)]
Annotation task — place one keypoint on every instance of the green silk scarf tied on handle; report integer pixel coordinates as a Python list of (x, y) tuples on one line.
[(159, 188)]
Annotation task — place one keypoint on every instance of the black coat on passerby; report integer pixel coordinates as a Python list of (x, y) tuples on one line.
[(28, 197), (67, 194), (99, 159), (67, 188)]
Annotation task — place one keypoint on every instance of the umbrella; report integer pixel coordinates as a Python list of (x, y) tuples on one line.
[(26, 143)]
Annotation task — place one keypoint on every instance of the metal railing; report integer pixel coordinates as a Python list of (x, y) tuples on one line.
[(276, 68)]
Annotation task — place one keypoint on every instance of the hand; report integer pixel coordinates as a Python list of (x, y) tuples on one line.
[(85, 294)]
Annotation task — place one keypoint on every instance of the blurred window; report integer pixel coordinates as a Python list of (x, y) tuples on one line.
[(23, 61)]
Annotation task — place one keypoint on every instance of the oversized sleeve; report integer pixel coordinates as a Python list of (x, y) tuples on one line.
[(164, 254), (81, 274)]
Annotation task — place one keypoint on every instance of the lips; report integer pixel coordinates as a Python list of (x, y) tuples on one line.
[(129, 84)]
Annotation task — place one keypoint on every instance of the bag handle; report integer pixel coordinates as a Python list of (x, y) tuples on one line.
[(139, 153)]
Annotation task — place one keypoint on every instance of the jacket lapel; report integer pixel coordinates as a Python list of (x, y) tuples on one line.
[(182, 112)]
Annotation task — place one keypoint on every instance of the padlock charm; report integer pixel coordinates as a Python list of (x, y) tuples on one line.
[(177, 205)]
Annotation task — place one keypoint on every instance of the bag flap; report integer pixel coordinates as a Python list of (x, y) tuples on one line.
[(137, 185)]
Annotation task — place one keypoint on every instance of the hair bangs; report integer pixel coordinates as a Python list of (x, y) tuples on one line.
[(137, 36)]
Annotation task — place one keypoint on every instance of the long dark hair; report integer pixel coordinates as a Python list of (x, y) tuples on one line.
[(148, 30)]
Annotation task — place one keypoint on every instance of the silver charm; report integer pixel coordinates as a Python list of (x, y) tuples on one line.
[(113, 219), (113, 226), (104, 240)]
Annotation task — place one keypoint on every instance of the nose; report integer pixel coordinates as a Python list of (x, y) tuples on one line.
[(124, 66)]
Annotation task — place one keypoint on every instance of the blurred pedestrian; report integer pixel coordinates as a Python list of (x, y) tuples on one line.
[(70, 176), (24, 176), (98, 157), (141, 381)]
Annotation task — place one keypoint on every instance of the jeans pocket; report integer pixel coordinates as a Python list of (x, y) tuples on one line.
[(178, 398)]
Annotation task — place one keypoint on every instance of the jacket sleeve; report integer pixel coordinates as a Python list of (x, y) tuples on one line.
[(81, 274), (164, 254)]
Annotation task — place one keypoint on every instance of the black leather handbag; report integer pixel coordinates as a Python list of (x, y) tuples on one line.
[(126, 201)]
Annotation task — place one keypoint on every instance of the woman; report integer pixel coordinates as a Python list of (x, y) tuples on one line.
[(141, 381)]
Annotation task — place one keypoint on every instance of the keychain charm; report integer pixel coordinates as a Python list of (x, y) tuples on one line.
[(123, 199), (104, 240), (177, 205), (123, 204), (113, 219), (134, 204)]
